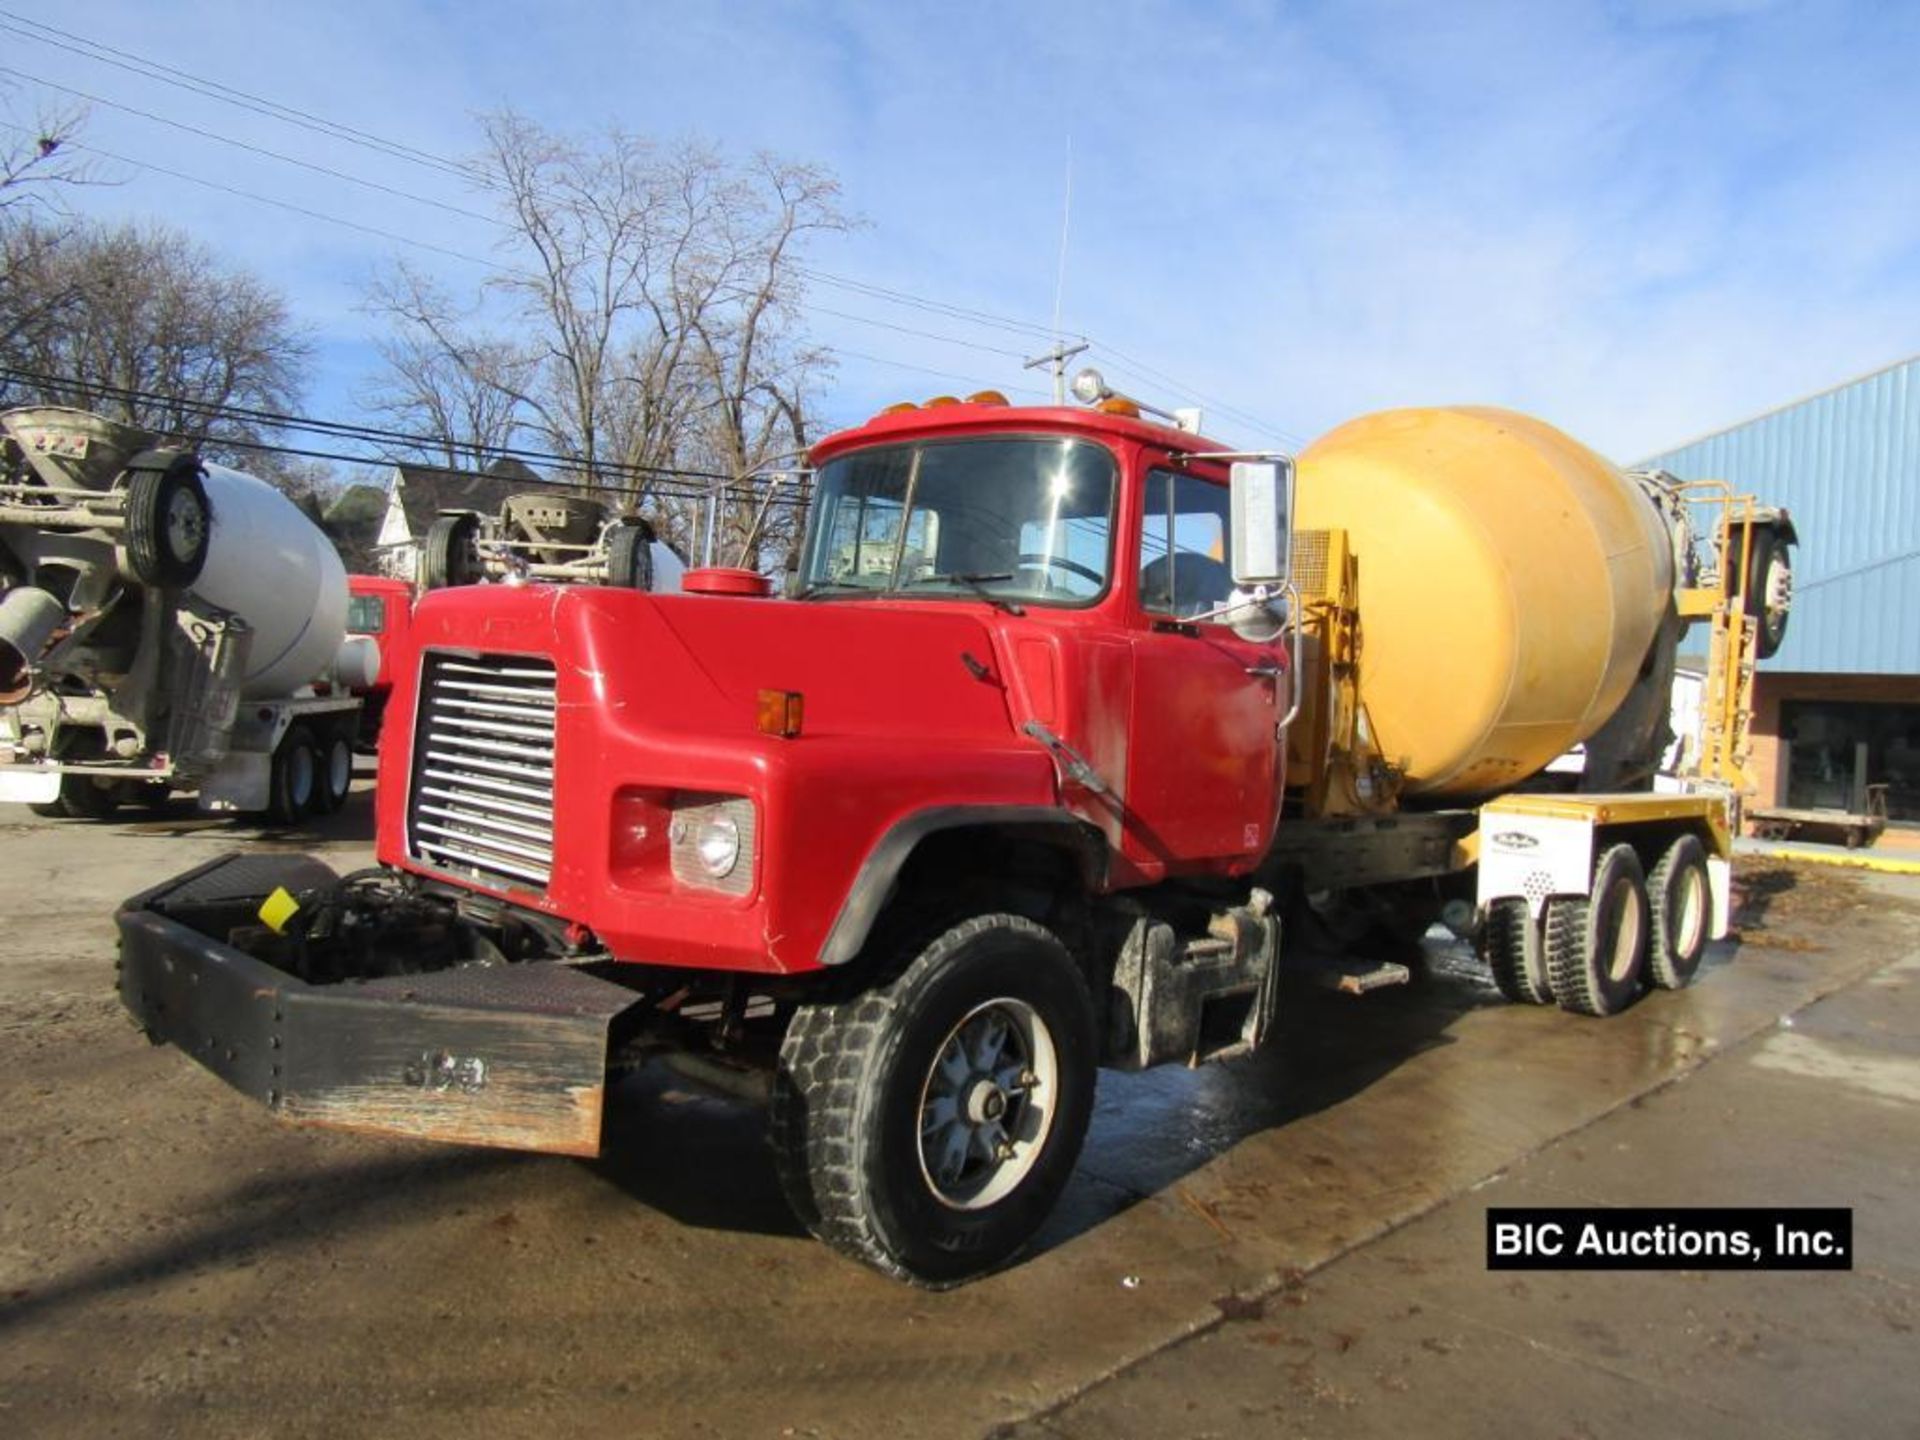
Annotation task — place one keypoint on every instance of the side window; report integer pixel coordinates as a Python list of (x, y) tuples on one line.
[(366, 614), (1184, 546)]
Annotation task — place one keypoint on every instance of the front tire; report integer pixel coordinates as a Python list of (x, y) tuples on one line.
[(928, 1126)]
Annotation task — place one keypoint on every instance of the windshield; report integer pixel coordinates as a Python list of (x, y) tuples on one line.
[(1026, 520)]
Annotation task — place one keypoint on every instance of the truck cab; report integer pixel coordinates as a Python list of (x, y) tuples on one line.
[(995, 765), (1003, 633)]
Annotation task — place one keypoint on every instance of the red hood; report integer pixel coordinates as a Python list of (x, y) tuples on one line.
[(697, 663)]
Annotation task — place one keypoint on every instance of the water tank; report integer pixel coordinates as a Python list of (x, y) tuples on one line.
[(1512, 583), (272, 566)]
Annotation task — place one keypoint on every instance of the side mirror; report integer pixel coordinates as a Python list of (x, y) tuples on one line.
[(1262, 493)]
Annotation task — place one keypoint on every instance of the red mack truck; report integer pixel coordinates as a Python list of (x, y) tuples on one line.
[(1065, 710)]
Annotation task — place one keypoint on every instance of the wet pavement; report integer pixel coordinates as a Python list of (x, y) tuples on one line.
[(171, 1261), (1413, 1336)]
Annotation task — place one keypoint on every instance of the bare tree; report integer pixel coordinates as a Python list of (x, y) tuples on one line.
[(35, 163), (149, 328), (456, 387), (644, 315), (40, 157)]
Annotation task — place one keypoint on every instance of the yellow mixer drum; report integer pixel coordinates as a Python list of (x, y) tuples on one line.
[(1511, 583)]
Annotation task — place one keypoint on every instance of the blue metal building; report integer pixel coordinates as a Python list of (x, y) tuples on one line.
[(1838, 708)]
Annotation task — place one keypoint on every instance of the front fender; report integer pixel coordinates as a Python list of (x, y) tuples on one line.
[(881, 869)]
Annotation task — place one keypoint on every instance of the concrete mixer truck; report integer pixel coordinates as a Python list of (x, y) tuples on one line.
[(552, 537), (1075, 732), (166, 624)]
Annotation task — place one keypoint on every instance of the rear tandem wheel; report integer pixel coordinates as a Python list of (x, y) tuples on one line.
[(1597, 943)]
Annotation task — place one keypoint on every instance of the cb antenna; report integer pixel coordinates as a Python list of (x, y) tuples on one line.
[(1061, 353)]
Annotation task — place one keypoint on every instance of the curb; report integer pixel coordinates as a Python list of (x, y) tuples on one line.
[(1841, 859)]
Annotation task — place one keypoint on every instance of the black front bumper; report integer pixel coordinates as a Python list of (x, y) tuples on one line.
[(503, 1055)]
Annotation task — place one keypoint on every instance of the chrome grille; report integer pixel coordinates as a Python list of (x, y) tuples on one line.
[(482, 802)]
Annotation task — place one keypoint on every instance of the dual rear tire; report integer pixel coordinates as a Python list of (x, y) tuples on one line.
[(311, 773), (1596, 954)]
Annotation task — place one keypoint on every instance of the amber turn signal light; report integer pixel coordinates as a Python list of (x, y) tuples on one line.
[(779, 713)]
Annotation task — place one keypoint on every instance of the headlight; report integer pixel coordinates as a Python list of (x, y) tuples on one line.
[(711, 840), (719, 845)]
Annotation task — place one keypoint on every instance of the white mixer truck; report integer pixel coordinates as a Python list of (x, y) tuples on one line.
[(166, 624)]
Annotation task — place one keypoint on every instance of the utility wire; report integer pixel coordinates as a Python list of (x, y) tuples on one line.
[(915, 330), (938, 307), (374, 230), (972, 381), (287, 205), (153, 69), (684, 483), (1158, 377), (256, 149), (215, 90), (273, 109)]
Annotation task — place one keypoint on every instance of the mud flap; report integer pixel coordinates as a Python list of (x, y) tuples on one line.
[(500, 1055)]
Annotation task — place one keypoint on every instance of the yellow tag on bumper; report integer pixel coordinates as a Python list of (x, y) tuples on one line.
[(277, 909)]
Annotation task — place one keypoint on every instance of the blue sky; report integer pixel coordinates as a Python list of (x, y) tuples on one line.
[(1640, 221)]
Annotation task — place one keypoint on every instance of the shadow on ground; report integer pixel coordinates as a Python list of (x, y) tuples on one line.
[(703, 1160)]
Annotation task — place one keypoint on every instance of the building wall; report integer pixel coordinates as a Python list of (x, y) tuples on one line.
[(1847, 464), (399, 551), (1773, 689)]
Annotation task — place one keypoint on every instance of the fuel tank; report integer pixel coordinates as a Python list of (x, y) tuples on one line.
[(1511, 586)]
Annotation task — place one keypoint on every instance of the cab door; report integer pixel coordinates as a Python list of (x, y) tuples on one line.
[(1205, 764)]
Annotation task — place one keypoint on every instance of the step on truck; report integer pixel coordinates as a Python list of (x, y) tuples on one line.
[(1066, 741)]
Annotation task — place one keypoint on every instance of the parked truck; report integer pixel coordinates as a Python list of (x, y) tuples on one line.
[(552, 537), (380, 607), (166, 624), (1065, 715)]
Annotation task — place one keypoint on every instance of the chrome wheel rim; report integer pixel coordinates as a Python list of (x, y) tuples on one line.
[(987, 1104)]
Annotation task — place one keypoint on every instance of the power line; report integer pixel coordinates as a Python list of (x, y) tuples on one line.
[(673, 481), (1158, 377), (287, 205), (921, 302), (287, 114), (973, 381), (914, 330), (215, 90), (254, 149), (274, 109), (376, 231)]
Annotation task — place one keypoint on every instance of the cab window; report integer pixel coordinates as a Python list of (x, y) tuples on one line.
[(1184, 546), (366, 614)]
